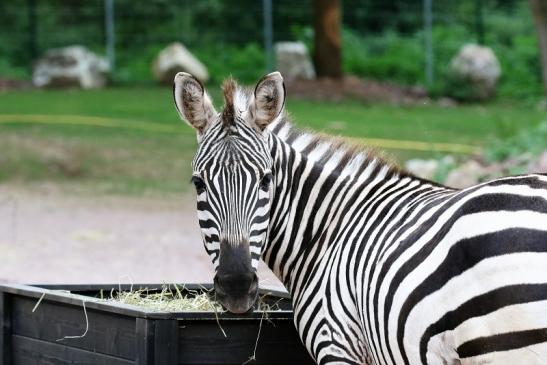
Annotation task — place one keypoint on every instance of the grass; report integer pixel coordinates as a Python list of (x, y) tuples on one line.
[(127, 159)]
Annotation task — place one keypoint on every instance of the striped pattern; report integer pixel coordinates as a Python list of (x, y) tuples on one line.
[(233, 208), (383, 267)]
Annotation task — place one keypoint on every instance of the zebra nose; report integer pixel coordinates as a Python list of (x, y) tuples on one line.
[(236, 292), (236, 284)]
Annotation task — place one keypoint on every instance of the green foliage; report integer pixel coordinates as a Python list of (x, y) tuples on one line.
[(385, 57), (381, 39), (398, 57), (531, 141), (133, 66), (6, 68), (245, 63)]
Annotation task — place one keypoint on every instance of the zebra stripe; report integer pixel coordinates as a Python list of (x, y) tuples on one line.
[(410, 241), (383, 267)]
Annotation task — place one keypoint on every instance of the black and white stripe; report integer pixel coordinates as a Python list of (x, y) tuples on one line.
[(390, 269), (383, 267)]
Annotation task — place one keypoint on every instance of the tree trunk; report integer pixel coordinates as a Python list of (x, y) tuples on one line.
[(539, 10), (328, 52)]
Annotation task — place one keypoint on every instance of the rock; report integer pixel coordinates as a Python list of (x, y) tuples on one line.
[(293, 61), (467, 174), (477, 68), (73, 66), (539, 165), (177, 58), (422, 168)]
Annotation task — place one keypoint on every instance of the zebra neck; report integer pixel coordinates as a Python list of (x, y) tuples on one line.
[(315, 181)]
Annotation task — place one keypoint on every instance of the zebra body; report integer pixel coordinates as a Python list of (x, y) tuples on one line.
[(383, 267)]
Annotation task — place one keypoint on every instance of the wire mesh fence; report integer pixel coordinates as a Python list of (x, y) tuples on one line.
[(231, 33)]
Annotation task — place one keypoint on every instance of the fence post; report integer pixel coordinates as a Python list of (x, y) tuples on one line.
[(428, 42), (110, 35), (268, 33), (32, 30), (479, 21)]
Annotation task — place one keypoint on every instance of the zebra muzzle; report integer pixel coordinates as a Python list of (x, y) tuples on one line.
[(236, 292)]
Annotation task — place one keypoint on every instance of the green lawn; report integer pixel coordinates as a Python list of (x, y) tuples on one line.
[(145, 148)]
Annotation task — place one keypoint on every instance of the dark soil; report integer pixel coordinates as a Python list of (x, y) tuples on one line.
[(326, 89), (9, 84)]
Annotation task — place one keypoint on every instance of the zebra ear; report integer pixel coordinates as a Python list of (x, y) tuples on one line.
[(192, 102), (268, 100)]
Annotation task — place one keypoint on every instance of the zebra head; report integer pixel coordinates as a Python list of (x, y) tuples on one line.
[(232, 173)]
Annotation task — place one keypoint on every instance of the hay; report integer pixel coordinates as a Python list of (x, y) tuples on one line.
[(168, 301), (86, 327)]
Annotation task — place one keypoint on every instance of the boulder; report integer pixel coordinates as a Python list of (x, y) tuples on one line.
[(476, 70), (425, 169), (293, 61), (176, 58), (539, 165), (467, 174), (73, 66)]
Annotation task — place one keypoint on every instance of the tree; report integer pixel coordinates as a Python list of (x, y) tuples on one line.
[(327, 47), (539, 10)]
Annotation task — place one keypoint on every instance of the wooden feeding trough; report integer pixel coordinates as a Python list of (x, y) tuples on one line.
[(71, 324)]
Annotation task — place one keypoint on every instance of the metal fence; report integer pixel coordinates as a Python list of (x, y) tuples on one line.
[(123, 28)]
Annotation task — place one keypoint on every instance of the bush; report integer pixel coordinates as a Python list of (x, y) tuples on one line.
[(14, 72), (384, 57), (527, 142), (246, 63), (392, 57), (400, 58)]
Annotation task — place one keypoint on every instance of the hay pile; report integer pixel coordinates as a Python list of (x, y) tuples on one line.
[(168, 300)]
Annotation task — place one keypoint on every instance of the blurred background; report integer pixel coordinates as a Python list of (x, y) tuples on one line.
[(95, 164)]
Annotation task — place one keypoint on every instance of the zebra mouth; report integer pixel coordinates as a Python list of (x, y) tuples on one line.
[(237, 297)]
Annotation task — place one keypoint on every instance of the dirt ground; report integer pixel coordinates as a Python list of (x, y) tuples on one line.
[(48, 237), (355, 88)]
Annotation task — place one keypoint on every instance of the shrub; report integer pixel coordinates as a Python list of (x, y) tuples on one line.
[(527, 142), (245, 63)]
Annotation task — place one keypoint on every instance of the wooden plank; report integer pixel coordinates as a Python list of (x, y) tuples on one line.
[(144, 329), (201, 342), (166, 342), (5, 329), (28, 351), (73, 299), (134, 311), (108, 333), (85, 289)]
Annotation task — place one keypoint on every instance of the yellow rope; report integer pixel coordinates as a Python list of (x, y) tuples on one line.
[(160, 128), (88, 121)]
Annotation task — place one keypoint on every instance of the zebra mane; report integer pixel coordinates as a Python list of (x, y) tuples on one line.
[(347, 156), (229, 89)]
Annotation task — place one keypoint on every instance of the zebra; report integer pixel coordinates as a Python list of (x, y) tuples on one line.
[(383, 267)]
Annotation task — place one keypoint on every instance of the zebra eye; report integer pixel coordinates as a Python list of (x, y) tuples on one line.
[(265, 182), (199, 184)]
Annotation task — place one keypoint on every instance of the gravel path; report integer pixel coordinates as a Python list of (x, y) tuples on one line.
[(46, 237)]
